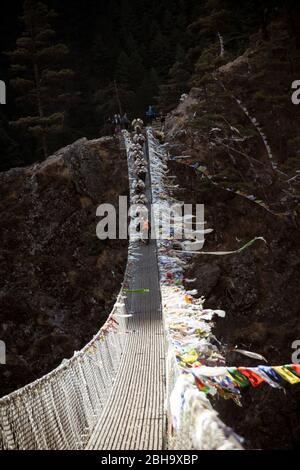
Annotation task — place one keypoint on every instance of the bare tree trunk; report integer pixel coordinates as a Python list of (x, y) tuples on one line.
[(118, 98), (221, 41), (205, 91), (38, 93), (40, 108)]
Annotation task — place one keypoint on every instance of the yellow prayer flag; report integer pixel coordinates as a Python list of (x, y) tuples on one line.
[(190, 358), (286, 374)]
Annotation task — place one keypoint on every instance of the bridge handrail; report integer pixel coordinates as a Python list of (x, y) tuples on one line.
[(192, 421), (60, 409)]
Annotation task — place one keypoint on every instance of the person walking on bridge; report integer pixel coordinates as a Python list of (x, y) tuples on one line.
[(125, 121), (117, 123), (137, 125), (142, 173), (151, 114), (139, 139), (146, 231)]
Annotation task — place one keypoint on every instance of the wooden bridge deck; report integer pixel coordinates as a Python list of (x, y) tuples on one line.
[(134, 416)]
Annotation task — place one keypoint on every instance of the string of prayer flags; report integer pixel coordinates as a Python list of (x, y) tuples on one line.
[(271, 373), (125, 315), (223, 253), (194, 350), (295, 368), (267, 378), (287, 374), (190, 358), (189, 281), (231, 379), (203, 170), (240, 378), (253, 378), (250, 354)]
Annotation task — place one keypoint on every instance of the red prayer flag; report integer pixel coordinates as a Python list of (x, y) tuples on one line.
[(253, 378), (295, 367)]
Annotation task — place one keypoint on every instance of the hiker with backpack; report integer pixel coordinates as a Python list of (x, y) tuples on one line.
[(151, 114)]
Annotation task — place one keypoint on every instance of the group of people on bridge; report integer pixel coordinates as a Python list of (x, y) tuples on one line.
[(139, 199), (118, 122)]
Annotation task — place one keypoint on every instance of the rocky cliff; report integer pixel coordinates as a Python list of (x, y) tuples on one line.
[(58, 281)]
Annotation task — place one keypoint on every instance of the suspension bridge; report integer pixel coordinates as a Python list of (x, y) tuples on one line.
[(116, 393), (134, 416), (109, 395)]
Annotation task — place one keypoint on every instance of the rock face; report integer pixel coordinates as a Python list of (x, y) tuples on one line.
[(57, 280), (242, 127)]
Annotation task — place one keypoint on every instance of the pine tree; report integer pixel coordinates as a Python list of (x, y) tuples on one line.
[(102, 57), (176, 85), (161, 54), (205, 67), (147, 92), (128, 19), (107, 101), (137, 69), (10, 151), (123, 69), (39, 83), (129, 70), (177, 82)]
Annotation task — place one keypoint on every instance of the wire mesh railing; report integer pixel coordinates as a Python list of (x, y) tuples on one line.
[(192, 421), (61, 409)]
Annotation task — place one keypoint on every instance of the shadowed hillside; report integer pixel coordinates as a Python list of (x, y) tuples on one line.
[(58, 280)]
